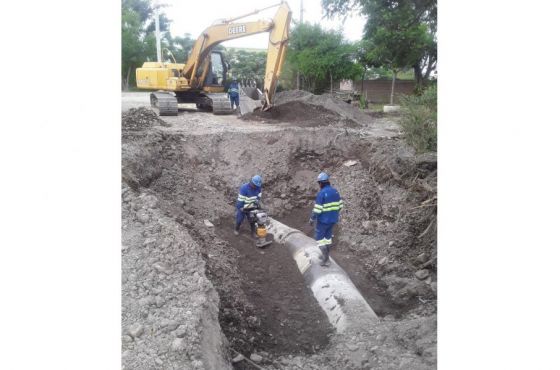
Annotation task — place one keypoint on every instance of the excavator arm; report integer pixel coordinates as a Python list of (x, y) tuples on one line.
[(277, 47), (196, 67)]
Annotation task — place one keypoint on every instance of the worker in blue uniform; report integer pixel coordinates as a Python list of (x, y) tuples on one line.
[(233, 93), (249, 198), (326, 213)]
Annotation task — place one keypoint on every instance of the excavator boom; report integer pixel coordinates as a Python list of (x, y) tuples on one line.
[(211, 37), (277, 47)]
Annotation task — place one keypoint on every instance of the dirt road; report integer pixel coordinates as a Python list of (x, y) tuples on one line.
[(195, 295), (134, 100)]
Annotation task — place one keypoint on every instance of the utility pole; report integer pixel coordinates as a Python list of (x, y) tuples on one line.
[(158, 39), (300, 22)]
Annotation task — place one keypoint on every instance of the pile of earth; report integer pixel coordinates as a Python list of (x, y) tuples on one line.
[(326, 101), (169, 307), (137, 119), (300, 114), (303, 108)]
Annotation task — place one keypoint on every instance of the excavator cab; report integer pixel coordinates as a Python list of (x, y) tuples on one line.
[(218, 70)]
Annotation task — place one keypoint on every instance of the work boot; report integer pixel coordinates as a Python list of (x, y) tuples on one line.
[(325, 256), (235, 231)]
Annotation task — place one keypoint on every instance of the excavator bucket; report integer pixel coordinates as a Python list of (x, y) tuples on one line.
[(249, 100)]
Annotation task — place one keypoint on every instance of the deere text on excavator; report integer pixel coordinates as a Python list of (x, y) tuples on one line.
[(201, 80)]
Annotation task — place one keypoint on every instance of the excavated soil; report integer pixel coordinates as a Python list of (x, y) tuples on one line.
[(298, 113), (327, 102), (292, 321), (202, 295), (141, 118)]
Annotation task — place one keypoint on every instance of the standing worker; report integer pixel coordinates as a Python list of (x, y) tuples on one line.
[(248, 198), (327, 207), (233, 93)]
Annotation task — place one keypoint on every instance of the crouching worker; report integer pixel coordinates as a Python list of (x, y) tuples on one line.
[(248, 198), (325, 212)]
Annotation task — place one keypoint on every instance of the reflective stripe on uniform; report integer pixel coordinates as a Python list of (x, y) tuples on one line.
[(245, 199), (333, 206), (324, 241), (318, 208)]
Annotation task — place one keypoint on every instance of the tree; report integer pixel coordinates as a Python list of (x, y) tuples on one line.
[(415, 27), (139, 41), (322, 56), (180, 46), (247, 65), (396, 40), (135, 14)]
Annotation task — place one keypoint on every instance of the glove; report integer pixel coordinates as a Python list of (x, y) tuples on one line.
[(311, 221)]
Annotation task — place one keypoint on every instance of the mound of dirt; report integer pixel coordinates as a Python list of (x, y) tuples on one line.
[(169, 308), (338, 107), (137, 119), (300, 114), (304, 109)]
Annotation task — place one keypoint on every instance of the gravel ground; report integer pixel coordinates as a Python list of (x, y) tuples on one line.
[(134, 100)]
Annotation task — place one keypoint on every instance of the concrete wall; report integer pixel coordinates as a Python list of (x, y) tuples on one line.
[(379, 91)]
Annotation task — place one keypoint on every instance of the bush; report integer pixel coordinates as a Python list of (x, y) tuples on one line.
[(419, 120), (363, 102)]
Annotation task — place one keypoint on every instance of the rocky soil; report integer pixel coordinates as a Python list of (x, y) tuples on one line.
[(196, 297)]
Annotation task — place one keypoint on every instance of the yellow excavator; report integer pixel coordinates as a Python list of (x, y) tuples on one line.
[(201, 80)]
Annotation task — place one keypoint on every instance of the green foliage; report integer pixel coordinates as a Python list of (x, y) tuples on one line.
[(363, 102), (382, 72), (419, 119), (398, 33), (134, 14), (322, 56), (391, 44), (179, 46), (247, 64)]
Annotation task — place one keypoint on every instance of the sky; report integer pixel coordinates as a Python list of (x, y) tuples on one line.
[(193, 17)]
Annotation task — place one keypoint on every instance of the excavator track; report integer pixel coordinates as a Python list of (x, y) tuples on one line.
[(220, 104), (164, 103)]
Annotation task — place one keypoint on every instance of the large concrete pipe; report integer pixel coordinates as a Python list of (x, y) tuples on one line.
[(345, 307)]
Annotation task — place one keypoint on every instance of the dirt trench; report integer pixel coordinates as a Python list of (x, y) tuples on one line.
[(387, 233)]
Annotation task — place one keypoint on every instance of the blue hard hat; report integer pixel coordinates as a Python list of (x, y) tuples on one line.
[(257, 180), (323, 177)]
